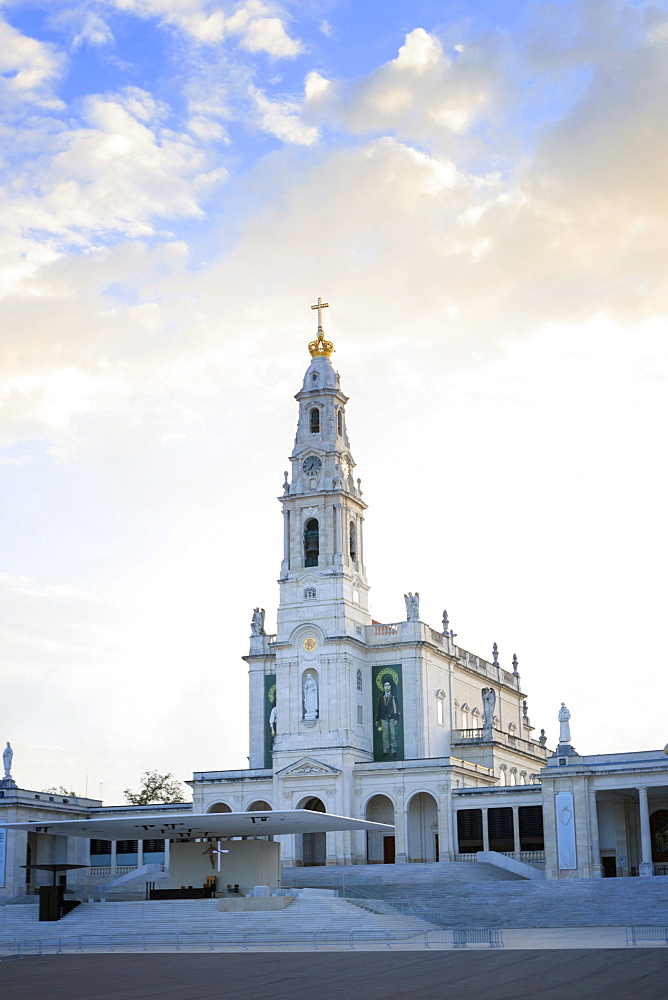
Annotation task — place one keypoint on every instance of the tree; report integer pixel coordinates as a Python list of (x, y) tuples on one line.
[(155, 788), (60, 790)]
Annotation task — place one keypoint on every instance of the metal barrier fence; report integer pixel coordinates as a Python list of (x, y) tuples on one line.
[(255, 939), (646, 933)]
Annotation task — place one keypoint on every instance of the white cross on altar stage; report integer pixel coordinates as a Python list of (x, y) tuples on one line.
[(320, 305), (218, 851)]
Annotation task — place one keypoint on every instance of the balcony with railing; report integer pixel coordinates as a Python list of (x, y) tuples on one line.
[(487, 736)]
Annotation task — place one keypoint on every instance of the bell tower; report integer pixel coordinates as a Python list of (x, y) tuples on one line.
[(322, 579)]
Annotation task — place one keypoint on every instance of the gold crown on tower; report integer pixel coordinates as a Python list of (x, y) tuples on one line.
[(320, 348)]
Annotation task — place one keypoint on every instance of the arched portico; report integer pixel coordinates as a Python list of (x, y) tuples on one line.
[(259, 805), (423, 828), (311, 848), (380, 847), (220, 807)]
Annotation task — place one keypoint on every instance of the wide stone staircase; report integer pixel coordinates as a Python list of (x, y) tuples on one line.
[(472, 894), (185, 923)]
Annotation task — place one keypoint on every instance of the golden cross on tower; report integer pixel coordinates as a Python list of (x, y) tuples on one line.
[(320, 305), (320, 348)]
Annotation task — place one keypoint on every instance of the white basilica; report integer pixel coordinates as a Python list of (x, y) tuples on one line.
[(386, 722)]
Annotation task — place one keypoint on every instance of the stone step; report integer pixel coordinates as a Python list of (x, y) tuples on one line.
[(441, 893), (201, 917)]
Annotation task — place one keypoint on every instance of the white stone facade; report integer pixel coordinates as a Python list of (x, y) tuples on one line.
[(341, 753)]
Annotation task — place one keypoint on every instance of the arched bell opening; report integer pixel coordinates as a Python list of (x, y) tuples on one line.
[(311, 542)]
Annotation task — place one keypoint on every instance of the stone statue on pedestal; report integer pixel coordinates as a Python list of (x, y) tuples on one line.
[(412, 606), (257, 622), (564, 727), (7, 758)]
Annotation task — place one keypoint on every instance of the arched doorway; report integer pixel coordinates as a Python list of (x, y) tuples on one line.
[(259, 806), (380, 847), (313, 846), (219, 807), (423, 828)]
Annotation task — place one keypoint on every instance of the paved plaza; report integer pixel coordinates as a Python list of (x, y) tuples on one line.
[(613, 974)]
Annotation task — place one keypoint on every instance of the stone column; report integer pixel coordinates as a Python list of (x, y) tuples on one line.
[(446, 840), (485, 829), (140, 853), (168, 845), (517, 844), (595, 848), (401, 828), (646, 865), (112, 860)]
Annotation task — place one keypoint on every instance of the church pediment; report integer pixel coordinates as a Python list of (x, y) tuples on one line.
[(307, 767)]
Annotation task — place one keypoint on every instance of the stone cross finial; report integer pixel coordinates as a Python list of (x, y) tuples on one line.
[(495, 655), (320, 305)]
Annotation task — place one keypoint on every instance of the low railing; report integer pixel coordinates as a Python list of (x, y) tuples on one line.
[(97, 870), (486, 735), (527, 856), (646, 933), (259, 940), (385, 629)]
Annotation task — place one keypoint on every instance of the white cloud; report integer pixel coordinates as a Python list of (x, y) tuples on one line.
[(118, 172), (260, 26), (421, 95), (282, 119), (28, 67), (261, 31)]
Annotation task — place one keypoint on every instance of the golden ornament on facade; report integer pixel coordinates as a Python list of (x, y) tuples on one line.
[(310, 644)]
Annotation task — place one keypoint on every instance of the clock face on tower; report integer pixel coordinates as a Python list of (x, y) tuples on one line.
[(311, 465)]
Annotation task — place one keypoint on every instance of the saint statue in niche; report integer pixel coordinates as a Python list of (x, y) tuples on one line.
[(310, 692), (488, 704)]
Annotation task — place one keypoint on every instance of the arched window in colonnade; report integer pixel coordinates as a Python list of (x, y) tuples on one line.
[(220, 807)]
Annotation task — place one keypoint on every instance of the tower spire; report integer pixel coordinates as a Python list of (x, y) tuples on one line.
[(320, 348)]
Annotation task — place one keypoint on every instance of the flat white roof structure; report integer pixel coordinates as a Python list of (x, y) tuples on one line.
[(189, 826)]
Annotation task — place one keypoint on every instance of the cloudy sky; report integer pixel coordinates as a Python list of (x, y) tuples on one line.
[(480, 191)]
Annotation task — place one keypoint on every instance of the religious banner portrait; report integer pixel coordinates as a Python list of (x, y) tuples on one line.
[(388, 719), (269, 717)]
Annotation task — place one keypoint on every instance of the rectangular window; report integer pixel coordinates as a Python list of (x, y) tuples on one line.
[(100, 847), (360, 715), (153, 846), (500, 823), (531, 828), (469, 830), (439, 711)]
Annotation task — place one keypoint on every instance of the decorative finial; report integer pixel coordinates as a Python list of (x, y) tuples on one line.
[(495, 655), (286, 484), (515, 665), (446, 623), (320, 348)]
